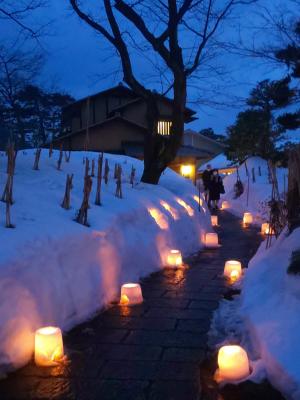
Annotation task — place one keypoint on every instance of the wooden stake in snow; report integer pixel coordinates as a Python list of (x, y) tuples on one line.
[(87, 167), (106, 171), (132, 176), (253, 175), (37, 159), (67, 156), (50, 150), (259, 170), (67, 198), (82, 214), (60, 157), (116, 171), (119, 182), (93, 168), (246, 167), (7, 196), (99, 180)]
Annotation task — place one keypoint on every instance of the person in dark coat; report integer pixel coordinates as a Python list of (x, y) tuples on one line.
[(206, 181), (215, 188)]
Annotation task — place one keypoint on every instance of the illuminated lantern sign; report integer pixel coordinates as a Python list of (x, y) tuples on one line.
[(214, 220), (211, 240), (233, 363), (266, 229), (174, 258), (131, 293), (187, 171), (233, 270), (248, 218), (48, 348)]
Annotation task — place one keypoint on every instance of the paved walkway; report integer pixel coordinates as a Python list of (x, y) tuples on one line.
[(148, 352)]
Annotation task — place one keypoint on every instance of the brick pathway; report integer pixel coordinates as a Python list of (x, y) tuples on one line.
[(148, 352)]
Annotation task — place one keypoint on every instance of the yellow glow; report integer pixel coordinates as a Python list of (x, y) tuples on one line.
[(225, 205), (174, 258), (211, 239), (159, 218), (187, 170), (48, 349), (131, 293), (198, 199), (214, 220), (233, 363), (248, 218), (188, 208), (233, 270), (170, 209), (266, 230)]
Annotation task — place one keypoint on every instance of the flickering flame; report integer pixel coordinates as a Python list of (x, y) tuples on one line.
[(266, 229), (234, 275), (159, 218), (124, 300), (170, 209), (188, 208)]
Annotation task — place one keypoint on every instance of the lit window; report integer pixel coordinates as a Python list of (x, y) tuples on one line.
[(164, 128)]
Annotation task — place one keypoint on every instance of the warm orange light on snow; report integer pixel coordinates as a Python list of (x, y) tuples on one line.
[(187, 171), (266, 230), (233, 270), (131, 293), (174, 258), (170, 209), (188, 208), (48, 348), (159, 218), (214, 220), (211, 240), (248, 218), (225, 205), (198, 199), (233, 363)]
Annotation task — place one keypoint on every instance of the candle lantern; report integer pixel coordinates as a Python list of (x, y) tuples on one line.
[(233, 269), (131, 293), (248, 218), (225, 205), (214, 220), (266, 229), (48, 349), (174, 258), (211, 240), (233, 363)]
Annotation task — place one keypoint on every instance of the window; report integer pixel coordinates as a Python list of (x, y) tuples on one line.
[(164, 128)]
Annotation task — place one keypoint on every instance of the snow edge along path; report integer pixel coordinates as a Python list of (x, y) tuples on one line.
[(54, 271)]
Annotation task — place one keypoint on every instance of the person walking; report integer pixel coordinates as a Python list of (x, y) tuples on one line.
[(216, 187), (206, 177)]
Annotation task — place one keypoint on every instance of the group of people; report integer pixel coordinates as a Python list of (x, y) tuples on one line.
[(213, 186)]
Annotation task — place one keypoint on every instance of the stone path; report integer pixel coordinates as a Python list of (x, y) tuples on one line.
[(147, 352)]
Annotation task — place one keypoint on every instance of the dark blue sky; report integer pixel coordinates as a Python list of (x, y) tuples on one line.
[(79, 62)]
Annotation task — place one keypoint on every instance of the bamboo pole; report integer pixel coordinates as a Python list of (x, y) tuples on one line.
[(99, 180)]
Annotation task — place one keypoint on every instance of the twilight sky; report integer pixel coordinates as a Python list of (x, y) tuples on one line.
[(79, 62)]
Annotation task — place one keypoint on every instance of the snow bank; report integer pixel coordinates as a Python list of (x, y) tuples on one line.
[(55, 271), (270, 307), (259, 191)]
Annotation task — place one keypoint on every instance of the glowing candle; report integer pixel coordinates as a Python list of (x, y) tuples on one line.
[(49, 348), (214, 220), (211, 240), (174, 258), (233, 363), (131, 293), (225, 205), (248, 218), (233, 269), (266, 230)]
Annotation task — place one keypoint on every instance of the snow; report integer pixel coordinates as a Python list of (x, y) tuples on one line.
[(218, 162), (54, 271), (259, 191)]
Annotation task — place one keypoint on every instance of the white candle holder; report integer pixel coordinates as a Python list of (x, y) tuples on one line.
[(131, 294), (214, 220), (233, 270), (48, 347), (211, 240), (174, 259), (247, 219), (233, 364)]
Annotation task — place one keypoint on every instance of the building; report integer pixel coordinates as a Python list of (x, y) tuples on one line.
[(114, 121)]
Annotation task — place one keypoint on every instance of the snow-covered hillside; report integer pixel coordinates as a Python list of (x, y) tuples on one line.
[(55, 271), (259, 191)]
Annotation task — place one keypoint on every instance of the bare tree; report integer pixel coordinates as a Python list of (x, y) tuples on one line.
[(178, 34)]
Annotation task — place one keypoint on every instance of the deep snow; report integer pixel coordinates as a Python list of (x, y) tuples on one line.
[(259, 191), (55, 271)]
